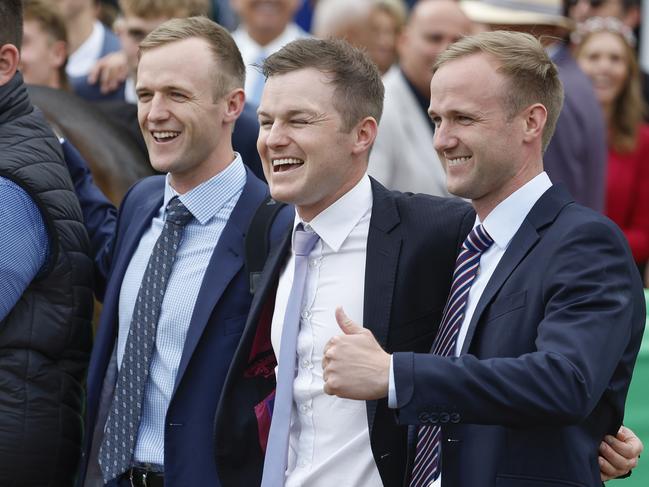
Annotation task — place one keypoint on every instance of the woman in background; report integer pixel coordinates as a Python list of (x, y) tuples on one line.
[(604, 51)]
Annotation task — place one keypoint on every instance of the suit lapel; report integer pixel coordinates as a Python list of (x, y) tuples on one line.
[(383, 250), (227, 259), (542, 214)]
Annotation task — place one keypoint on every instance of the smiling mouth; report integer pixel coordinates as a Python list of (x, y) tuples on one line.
[(286, 164), (162, 136), (456, 161)]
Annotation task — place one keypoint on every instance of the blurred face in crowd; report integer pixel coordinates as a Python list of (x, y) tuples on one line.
[(603, 57), (134, 30), (265, 19), (69, 9), (433, 25), (383, 46), (41, 56), (580, 10), (306, 155), (480, 145), (183, 124)]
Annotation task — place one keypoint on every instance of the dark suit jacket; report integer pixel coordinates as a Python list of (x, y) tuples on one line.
[(577, 153), (217, 322), (547, 359), (411, 249)]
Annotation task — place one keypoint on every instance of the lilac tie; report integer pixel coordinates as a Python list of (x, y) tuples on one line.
[(427, 458), (277, 448)]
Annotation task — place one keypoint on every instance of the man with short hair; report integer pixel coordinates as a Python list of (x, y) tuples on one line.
[(88, 41), (402, 158), (534, 355), (177, 293), (44, 52), (264, 28), (45, 287)]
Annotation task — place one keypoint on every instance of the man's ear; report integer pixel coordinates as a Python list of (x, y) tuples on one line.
[(535, 118), (59, 53), (235, 100), (9, 58), (365, 132)]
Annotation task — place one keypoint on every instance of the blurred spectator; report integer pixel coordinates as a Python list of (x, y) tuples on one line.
[(605, 52), (88, 40), (265, 27), (403, 157), (370, 24), (576, 155), (387, 20), (628, 11), (44, 51)]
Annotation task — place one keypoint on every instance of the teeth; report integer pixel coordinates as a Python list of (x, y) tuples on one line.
[(288, 160), (456, 160), (165, 135)]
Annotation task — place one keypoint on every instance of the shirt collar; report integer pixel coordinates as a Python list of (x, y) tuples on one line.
[(505, 219), (206, 199), (335, 223), (84, 58)]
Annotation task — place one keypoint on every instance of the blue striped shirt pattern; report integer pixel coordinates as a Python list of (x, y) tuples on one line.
[(211, 203), (23, 243)]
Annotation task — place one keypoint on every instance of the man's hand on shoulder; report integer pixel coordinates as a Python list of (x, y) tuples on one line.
[(354, 364), (619, 454)]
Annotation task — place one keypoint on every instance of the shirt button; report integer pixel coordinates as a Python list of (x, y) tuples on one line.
[(315, 262), (306, 315), (306, 364), (305, 408)]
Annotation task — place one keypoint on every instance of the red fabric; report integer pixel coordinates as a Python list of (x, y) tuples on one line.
[(627, 194)]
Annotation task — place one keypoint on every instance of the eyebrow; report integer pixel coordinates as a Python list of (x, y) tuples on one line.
[(290, 113)]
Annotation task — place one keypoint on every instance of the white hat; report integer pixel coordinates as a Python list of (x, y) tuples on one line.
[(517, 12)]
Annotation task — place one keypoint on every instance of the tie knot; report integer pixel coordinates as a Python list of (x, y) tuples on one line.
[(303, 241), (478, 240), (178, 213)]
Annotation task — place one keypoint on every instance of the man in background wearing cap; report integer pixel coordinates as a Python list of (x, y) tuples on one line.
[(576, 155)]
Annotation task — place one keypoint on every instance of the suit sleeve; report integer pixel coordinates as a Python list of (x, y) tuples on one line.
[(590, 299), (99, 214)]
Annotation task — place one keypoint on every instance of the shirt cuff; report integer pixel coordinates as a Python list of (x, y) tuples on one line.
[(392, 390)]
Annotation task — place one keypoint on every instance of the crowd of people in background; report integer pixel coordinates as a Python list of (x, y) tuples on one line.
[(598, 152), (107, 73)]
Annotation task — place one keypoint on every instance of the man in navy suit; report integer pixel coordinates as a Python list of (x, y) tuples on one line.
[(190, 93), (534, 355)]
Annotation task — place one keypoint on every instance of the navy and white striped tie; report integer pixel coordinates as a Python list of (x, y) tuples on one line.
[(427, 458)]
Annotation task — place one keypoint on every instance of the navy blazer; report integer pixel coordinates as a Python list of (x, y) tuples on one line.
[(217, 322), (547, 359), (411, 249)]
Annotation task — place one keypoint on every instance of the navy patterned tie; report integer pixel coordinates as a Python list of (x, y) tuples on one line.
[(120, 434), (277, 449), (427, 458)]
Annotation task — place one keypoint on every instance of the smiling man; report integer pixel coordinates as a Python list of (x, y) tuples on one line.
[(533, 359), (177, 292)]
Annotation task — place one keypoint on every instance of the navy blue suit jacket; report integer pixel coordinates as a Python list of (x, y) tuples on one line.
[(547, 360), (217, 322), (411, 249)]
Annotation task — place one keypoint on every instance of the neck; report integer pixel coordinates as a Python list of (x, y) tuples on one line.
[(184, 181), (264, 37), (79, 29), (607, 109)]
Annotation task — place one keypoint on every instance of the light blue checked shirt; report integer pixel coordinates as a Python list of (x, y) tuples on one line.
[(211, 203), (23, 243)]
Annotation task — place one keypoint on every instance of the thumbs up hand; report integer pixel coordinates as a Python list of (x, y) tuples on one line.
[(354, 364)]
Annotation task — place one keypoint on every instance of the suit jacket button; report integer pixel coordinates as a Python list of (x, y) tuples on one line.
[(434, 418), (455, 418), (444, 417), (423, 417)]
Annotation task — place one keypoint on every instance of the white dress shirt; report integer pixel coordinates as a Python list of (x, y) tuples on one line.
[(81, 61), (501, 224), (253, 53), (329, 438)]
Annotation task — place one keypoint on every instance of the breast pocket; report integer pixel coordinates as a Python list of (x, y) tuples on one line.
[(505, 304)]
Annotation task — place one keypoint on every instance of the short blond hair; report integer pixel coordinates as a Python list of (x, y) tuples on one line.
[(153, 9), (229, 70), (532, 76)]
